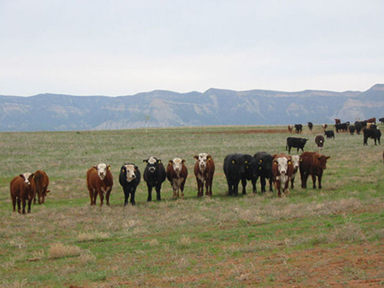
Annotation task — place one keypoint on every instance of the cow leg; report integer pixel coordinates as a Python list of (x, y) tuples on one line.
[(314, 180), (158, 190), (23, 202), (29, 205), (200, 188), (292, 182), (263, 183), (126, 196), (133, 192), (230, 190), (101, 194), (254, 186), (107, 196), (236, 188), (319, 177), (244, 184), (208, 188), (149, 199)]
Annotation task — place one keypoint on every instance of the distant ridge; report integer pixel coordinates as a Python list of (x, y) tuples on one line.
[(56, 112)]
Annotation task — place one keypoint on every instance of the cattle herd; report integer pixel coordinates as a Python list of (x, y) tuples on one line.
[(279, 169)]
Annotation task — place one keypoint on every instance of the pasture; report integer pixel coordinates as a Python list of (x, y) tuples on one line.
[(312, 238)]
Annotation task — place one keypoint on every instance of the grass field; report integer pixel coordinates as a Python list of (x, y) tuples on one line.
[(312, 238)]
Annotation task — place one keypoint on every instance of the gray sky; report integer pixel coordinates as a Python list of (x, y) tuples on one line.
[(111, 48)]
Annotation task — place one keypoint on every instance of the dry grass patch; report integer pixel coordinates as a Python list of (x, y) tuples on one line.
[(93, 235), (59, 250)]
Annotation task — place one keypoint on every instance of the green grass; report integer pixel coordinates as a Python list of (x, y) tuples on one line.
[(220, 241)]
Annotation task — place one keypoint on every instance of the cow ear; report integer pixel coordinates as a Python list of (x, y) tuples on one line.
[(233, 161), (246, 161), (145, 161), (261, 160), (109, 167), (33, 175), (170, 162), (159, 161), (21, 175), (196, 157), (183, 161)]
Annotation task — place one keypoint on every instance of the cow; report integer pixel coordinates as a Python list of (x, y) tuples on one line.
[(177, 174), (129, 179), (290, 128), (99, 181), (295, 142), (23, 189), (337, 121), (264, 169), (234, 168), (250, 172), (359, 125), (154, 175), (329, 134), (204, 170), (298, 128), (295, 164), (324, 126), (371, 120), (343, 127), (310, 126), (381, 120), (312, 163), (319, 140), (351, 129), (371, 133), (282, 170), (41, 183)]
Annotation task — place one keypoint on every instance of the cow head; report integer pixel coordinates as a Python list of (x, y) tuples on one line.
[(203, 158), (282, 165), (295, 162), (323, 161), (152, 163), (251, 165), (177, 164), (238, 164), (129, 171), (27, 178), (102, 170)]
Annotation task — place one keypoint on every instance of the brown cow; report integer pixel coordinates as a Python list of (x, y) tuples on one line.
[(41, 183), (204, 170), (290, 128), (312, 163), (99, 181), (22, 189), (282, 170), (177, 174), (337, 121), (371, 120)]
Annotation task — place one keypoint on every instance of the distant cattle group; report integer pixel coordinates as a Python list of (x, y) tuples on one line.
[(278, 170)]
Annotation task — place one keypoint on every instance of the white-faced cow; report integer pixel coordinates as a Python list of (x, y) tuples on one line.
[(99, 181), (23, 189), (129, 179), (282, 170), (177, 174), (154, 176), (204, 170)]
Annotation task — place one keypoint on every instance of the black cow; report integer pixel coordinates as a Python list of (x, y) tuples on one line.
[(319, 140), (264, 170), (342, 127), (329, 134), (359, 125), (371, 133), (234, 168), (154, 174), (249, 172), (295, 142), (381, 120), (298, 128), (310, 126), (129, 179), (351, 129)]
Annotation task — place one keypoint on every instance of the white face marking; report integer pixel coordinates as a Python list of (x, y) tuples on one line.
[(26, 176), (102, 170), (152, 160), (177, 165), (202, 161), (295, 161), (282, 163), (130, 172)]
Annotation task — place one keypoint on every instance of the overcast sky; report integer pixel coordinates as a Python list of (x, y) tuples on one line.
[(112, 48)]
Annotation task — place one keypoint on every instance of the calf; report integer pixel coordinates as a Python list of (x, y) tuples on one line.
[(329, 134), (154, 175), (234, 168), (343, 127), (324, 126), (319, 140), (99, 181), (282, 170), (204, 170), (250, 172), (351, 129), (177, 174), (264, 169), (312, 163), (310, 126), (295, 142), (41, 183), (290, 128), (23, 188), (375, 134), (295, 164), (129, 179)]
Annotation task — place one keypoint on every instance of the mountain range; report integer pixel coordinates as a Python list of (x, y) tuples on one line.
[(56, 112)]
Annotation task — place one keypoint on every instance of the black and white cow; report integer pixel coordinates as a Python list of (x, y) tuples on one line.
[(154, 175), (129, 179)]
